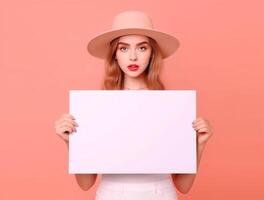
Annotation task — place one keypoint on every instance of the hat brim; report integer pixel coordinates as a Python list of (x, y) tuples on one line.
[(99, 45)]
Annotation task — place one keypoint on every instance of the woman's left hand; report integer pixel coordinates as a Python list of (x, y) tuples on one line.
[(203, 130)]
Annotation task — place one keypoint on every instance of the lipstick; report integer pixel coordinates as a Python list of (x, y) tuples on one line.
[(133, 67)]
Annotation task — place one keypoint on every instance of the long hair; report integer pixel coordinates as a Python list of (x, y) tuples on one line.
[(114, 76)]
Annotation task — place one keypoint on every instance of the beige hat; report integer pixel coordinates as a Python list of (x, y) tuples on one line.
[(132, 22)]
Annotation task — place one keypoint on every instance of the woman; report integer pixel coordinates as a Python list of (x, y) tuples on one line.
[(133, 51)]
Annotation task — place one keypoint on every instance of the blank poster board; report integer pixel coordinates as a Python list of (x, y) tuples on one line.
[(133, 131)]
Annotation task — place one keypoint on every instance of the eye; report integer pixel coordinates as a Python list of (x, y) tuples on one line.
[(122, 48), (143, 48)]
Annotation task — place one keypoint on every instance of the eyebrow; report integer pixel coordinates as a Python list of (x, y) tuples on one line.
[(144, 42)]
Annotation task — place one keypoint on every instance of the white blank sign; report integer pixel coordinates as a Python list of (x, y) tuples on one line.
[(133, 131)]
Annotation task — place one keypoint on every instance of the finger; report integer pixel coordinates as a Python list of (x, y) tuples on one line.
[(67, 122), (64, 130), (199, 119), (198, 123), (69, 126), (74, 129), (71, 121), (59, 121), (64, 118), (201, 127), (203, 130), (205, 123), (70, 131), (68, 115)]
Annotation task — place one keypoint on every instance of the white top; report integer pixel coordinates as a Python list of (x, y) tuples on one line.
[(134, 178)]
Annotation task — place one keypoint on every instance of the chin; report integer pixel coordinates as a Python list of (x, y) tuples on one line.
[(133, 74)]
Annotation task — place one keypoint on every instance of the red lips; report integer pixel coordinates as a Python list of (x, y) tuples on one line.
[(133, 67)]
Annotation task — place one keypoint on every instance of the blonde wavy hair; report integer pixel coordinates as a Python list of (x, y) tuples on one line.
[(114, 76)]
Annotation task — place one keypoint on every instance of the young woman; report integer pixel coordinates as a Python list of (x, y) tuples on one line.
[(133, 51)]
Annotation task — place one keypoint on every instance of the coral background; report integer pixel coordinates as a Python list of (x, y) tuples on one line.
[(43, 55)]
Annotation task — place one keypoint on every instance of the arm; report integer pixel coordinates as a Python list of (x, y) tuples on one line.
[(184, 182), (85, 181)]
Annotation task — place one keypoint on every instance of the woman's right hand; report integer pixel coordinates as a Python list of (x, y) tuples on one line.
[(64, 126)]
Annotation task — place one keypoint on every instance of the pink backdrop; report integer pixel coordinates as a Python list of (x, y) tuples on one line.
[(43, 55)]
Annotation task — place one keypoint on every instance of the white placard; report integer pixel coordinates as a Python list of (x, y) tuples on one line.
[(133, 131)]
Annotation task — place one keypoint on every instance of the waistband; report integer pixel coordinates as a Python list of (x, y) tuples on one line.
[(120, 186)]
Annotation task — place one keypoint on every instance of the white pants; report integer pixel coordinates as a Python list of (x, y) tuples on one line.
[(159, 190)]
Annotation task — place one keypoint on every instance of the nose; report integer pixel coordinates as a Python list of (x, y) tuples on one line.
[(133, 55)]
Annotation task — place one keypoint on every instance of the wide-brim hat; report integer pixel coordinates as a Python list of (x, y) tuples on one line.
[(132, 22)]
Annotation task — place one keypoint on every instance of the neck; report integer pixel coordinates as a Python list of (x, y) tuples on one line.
[(135, 83)]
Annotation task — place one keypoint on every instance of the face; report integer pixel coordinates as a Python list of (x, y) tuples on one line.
[(133, 50)]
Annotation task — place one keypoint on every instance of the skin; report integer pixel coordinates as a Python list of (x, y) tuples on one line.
[(67, 123), (137, 54), (133, 53)]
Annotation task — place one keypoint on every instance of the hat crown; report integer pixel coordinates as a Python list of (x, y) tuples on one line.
[(132, 19), (131, 22)]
